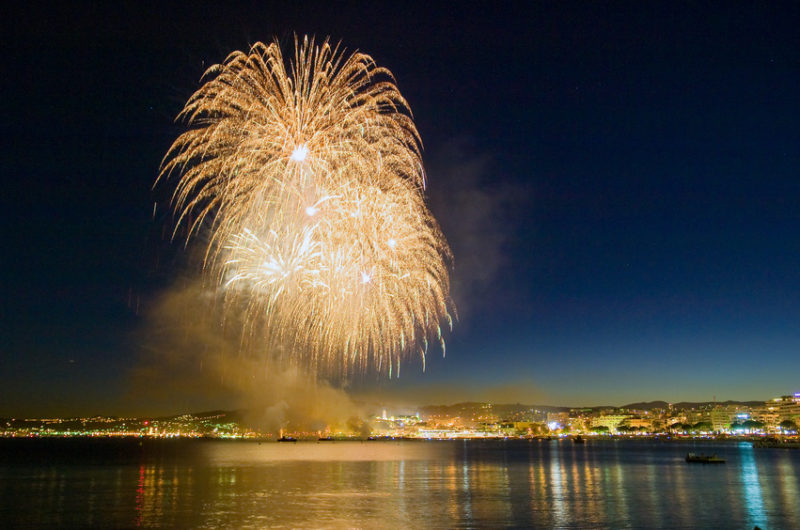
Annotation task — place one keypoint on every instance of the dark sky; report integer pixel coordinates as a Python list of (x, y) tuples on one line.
[(618, 181)]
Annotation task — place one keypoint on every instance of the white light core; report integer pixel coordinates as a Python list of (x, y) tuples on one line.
[(300, 152)]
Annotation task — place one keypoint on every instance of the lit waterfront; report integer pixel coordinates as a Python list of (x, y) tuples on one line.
[(777, 417), (534, 483)]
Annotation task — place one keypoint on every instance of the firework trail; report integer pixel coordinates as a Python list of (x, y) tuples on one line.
[(308, 175)]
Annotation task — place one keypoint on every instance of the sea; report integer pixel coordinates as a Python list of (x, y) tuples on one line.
[(127, 483)]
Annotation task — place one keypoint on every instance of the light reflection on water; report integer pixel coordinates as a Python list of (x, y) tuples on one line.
[(557, 484), (752, 488), (545, 484)]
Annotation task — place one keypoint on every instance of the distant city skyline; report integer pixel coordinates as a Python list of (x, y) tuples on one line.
[(775, 417)]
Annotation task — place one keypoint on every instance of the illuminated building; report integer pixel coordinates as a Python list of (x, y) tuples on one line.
[(721, 418), (610, 421), (787, 407), (639, 423), (767, 414), (557, 420)]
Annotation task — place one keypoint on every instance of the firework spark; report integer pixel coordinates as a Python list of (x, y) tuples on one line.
[(308, 175)]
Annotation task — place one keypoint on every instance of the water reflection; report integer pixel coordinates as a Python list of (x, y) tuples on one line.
[(653, 499), (789, 490), (466, 487), (621, 514), (753, 501), (557, 483), (445, 484)]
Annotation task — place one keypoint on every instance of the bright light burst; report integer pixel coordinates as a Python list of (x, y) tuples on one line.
[(308, 175)]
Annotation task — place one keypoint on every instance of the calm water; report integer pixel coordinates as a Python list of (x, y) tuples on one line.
[(545, 484)]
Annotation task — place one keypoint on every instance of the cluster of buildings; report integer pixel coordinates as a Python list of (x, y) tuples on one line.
[(464, 420), (216, 424), (483, 420)]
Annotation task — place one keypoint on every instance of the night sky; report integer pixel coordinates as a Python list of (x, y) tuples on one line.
[(619, 183)]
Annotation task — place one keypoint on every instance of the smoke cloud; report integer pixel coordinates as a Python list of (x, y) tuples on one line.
[(472, 208), (191, 361)]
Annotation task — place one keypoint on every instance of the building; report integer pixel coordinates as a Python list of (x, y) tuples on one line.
[(557, 420), (610, 421), (639, 423), (768, 414), (577, 424), (527, 427), (787, 407), (721, 418)]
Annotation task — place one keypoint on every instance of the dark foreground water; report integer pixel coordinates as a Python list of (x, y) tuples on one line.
[(198, 483)]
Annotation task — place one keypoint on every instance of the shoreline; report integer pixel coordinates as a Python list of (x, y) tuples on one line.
[(787, 442)]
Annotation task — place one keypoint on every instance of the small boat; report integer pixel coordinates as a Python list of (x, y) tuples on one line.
[(325, 439), (694, 458), (578, 440), (287, 439)]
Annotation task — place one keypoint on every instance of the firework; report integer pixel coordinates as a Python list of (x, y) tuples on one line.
[(307, 175)]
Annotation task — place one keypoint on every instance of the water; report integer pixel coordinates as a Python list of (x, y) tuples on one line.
[(199, 483)]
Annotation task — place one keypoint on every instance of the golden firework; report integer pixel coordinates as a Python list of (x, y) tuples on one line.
[(309, 177)]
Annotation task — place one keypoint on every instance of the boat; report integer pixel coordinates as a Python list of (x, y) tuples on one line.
[(694, 458), (578, 440), (287, 439), (325, 439)]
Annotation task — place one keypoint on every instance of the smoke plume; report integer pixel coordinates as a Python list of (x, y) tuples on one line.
[(193, 361)]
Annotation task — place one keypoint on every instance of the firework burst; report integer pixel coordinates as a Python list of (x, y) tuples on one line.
[(309, 177)]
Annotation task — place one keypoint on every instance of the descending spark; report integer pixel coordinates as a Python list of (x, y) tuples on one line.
[(308, 175)]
